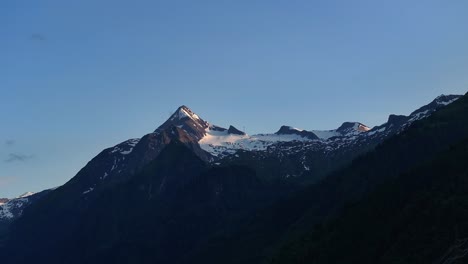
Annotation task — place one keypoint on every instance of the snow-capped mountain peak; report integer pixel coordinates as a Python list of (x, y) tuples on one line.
[(352, 127), (219, 143), (346, 129), (212, 143), (184, 112), (187, 120)]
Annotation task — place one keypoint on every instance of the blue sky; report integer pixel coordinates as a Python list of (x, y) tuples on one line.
[(80, 76)]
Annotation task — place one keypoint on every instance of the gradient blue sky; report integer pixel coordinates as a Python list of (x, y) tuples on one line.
[(79, 76)]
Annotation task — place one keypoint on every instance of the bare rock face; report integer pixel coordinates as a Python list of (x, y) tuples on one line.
[(186, 120)]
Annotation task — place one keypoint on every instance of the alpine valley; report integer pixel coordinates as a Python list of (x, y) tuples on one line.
[(195, 192)]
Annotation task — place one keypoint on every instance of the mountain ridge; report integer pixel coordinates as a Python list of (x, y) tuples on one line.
[(155, 183), (216, 144)]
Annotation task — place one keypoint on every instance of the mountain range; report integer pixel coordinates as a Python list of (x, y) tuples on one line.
[(306, 155), (194, 192)]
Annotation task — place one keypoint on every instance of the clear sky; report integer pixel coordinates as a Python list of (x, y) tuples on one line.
[(79, 76)]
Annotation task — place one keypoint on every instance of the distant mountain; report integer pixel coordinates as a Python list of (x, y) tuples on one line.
[(304, 156), (165, 196), (416, 216), (186, 120), (302, 229), (289, 154), (349, 135), (172, 206), (11, 209)]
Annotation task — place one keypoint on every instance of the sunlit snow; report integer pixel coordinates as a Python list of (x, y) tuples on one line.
[(217, 142), (326, 134)]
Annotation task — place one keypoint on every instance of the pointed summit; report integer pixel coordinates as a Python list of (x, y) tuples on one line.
[(184, 112), (184, 118), (235, 131)]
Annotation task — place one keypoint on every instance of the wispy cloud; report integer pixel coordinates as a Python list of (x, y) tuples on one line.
[(10, 142), (38, 37), (12, 157)]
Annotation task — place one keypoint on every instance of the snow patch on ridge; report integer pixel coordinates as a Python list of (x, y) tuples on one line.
[(444, 99), (446, 102), (294, 128), (418, 116), (6, 209), (126, 147), (361, 127), (89, 190), (221, 142), (380, 130), (326, 134), (183, 114), (24, 195), (355, 130)]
